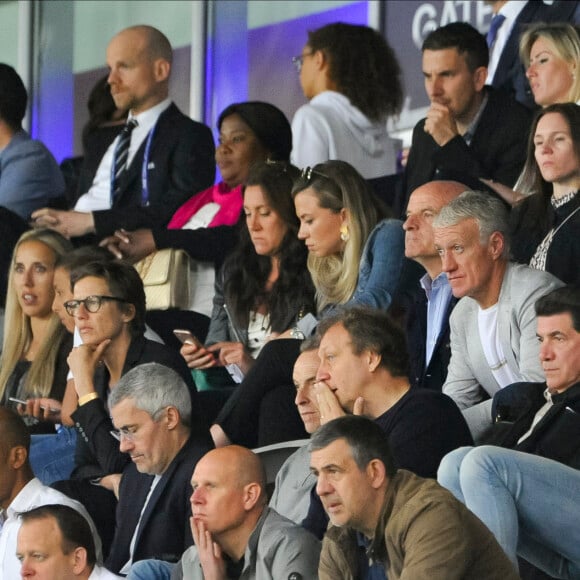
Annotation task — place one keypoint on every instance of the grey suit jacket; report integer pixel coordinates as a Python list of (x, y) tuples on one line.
[(469, 378)]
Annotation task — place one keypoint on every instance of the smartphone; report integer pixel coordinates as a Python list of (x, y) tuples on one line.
[(185, 337), (21, 402), (15, 400)]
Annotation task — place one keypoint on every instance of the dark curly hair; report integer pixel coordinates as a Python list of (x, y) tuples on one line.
[(247, 272), (363, 66)]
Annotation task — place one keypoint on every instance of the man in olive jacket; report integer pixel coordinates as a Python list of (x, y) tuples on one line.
[(393, 523)]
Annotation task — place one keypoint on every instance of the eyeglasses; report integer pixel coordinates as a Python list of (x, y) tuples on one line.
[(129, 433), (91, 303), (298, 61)]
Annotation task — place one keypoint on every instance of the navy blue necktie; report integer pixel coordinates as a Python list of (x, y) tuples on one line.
[(494, 27), (122, 154)]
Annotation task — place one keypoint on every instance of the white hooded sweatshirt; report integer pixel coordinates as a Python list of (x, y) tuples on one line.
[(329, 127)]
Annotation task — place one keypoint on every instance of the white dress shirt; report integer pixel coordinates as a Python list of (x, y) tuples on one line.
[(99, 195), (33, 494), (100, 573), (511, 10)]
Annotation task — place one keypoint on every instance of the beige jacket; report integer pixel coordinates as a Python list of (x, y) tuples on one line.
[(423, 533)]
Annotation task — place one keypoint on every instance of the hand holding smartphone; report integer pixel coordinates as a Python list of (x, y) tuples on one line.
[(186, 337), (23, 402)]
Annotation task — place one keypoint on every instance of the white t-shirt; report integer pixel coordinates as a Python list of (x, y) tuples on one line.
[(490, 342)]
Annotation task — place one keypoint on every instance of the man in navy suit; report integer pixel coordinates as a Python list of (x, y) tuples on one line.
[(169, 156), (506, 71), (427, 322), (151, 409)]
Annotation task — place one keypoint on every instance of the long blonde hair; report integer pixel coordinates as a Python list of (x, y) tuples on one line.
[(18, 331), (566, 42), (339, 186)]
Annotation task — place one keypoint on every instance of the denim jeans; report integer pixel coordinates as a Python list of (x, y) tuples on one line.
[(150, 570), (530, 503), (52, 457)]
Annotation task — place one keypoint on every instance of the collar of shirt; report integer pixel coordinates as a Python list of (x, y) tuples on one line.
[(511, 10), (429, 285), (559, 202), (146, 121), (468, 135), (21, 502), (19, 136)]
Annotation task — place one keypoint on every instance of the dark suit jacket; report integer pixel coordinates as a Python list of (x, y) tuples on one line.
[(497, 150), (510, 75), (97, 453), (164, 532), (556, 436), (181, 163), (432, 376)]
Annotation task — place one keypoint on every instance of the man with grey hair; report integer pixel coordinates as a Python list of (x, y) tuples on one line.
[(151, 409), (493, 328)]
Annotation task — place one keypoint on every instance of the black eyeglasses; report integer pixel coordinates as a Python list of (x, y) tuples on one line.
[(298, 61), (91, 303)]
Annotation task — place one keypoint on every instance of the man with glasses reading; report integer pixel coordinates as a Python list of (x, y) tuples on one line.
[(151, 411)]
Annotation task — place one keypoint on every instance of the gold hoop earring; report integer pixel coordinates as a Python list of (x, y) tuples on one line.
[(344, 233)]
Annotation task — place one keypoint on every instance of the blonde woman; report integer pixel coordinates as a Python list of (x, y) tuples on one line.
[(354, 257), (33, 364), (551, 55)]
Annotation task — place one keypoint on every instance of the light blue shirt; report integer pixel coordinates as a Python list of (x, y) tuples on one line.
[(29, 175), (438, 294)]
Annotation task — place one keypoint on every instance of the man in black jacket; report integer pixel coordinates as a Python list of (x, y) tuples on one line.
[(470, 130), (151, 410), (429, 307), (527, 494), (160, 159)]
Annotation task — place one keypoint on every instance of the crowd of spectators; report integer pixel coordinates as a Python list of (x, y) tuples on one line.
[(428, 359)]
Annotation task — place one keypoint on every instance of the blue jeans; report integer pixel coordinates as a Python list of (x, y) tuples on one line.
[(150, 570), (530, 503), (52, 457)]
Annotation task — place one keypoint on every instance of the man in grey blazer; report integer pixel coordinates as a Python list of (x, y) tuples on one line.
[(493, 327)]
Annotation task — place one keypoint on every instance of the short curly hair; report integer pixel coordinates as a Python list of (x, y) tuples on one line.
[(363, 66)]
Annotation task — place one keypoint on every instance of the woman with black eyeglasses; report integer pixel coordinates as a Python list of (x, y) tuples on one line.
[(109, 312), (355, 257)]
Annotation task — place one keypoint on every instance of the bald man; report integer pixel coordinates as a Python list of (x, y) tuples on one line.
[(160, 159), (236, 535), (430, 306)]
